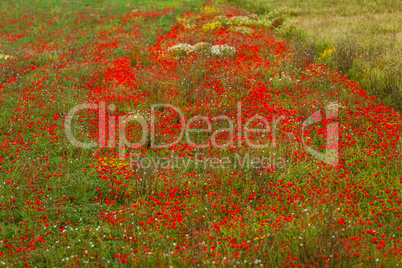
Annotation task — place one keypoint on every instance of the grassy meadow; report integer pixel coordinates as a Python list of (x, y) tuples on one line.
[(360, 38), (188, 133)]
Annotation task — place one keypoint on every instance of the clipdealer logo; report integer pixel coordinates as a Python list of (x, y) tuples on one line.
[(242, 132)]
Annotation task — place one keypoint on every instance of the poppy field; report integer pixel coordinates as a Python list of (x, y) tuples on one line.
[(186, 133)]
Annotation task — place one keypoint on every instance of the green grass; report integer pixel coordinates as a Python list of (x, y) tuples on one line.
[(80, 188), (360, 38), (69, 200)]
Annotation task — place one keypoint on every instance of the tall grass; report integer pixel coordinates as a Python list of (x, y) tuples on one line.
[(360, 38)]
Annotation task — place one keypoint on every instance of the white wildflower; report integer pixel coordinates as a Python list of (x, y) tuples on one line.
[(222, 19), (189, 26), (181, 49), (241, 29), (5, 57), (201, 47), (222, 50)]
